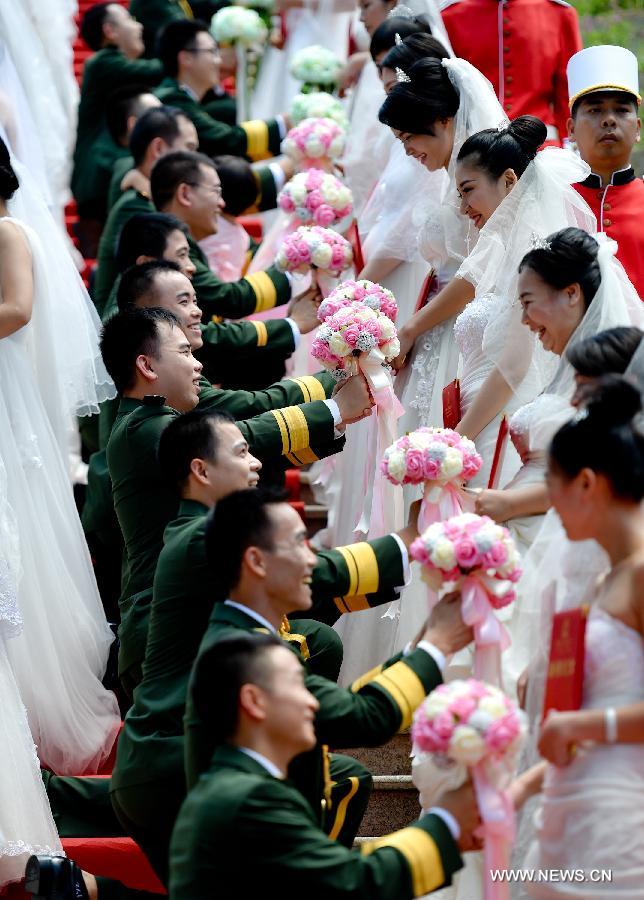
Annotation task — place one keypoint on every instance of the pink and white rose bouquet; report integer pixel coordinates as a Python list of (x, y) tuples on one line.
[(369, 293), (313, 141), (353, 332), (477, 727), (317, 198), (314, 247)]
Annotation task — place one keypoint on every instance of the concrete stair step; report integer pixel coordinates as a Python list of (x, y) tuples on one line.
[(393, 805), (390, 759)]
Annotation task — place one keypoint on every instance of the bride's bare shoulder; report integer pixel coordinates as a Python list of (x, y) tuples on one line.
[(13, 237)]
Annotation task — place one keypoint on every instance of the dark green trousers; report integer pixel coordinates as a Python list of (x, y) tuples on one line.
[(81, 807), (351, 785), (324, 646)]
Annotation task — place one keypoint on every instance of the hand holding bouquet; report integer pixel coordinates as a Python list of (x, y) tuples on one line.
[(316, 67), (439, 458), (317, 198), (319, 105), (314, 248), (473, 554), (476, 726), (314, 142)]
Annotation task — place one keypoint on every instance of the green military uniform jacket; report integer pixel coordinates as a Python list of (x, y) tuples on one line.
[(154, 15), (104, 72), (236, 299), (376, 706), (151, 746), (120, 169), (243, 833), (144, 503), (221, 106), (92, 184), (130, 203), (255, 140)]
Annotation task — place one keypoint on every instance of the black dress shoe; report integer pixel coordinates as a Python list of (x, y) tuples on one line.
[(54, 878)]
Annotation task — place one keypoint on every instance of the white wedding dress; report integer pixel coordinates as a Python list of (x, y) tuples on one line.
[(592, 811), (60, 656)]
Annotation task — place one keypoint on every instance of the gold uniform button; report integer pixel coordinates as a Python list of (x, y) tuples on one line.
[(607, 207), (509, 79), (608, 223)]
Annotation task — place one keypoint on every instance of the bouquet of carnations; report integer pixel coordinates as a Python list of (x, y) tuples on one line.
[(314, 248), (234, 25), (317, 198), (474, 555), (314, 141), (316, 67), (439, 458), (373, 295), (319, 105), (476, 726)]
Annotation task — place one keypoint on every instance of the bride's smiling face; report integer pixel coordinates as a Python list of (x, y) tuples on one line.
[(552, 314), (479, 191), (431, 150)]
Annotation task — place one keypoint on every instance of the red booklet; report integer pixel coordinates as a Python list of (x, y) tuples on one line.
[(499, 453), (452, 404), (353, 236), (425, 290), (565, 676)]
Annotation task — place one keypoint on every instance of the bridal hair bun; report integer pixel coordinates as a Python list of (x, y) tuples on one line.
[(605, 438), (9, 183), (529, 132), (567, 257), (610, 350)]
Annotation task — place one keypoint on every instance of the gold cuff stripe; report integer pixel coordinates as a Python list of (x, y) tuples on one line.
[(352, 604), (256, 139), (264, 290), (421, 854), (310, 387), (187, 9), (279, 418), (405, 688), (359, 683), (341, 814), (362, 563), (303, 457), (262, 332), (298, 428), (298, 639)]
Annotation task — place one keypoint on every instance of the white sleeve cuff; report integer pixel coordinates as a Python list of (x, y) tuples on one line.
[(404, 556), (437, 655), (448, 819), (289, 276), (279, 175), (297, 335), (334, 409), (281, 124)]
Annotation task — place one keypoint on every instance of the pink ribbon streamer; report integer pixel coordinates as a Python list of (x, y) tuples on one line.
[(441, 502), (383, 512), (490, 637), (497, 830)]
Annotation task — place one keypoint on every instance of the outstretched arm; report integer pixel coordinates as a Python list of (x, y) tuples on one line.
[(452, 300), (16, 280)]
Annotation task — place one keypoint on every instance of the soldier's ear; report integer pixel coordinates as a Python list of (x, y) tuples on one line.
[(570, 125), (252, 702), (144, 368)]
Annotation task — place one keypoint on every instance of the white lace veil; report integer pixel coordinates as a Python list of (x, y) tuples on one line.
[(65, 325), (543, 201)]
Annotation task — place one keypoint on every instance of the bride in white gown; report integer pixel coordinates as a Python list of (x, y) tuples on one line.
[(592, 790), (50, 369)]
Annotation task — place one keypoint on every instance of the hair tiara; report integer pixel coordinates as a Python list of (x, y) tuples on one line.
[(539, 243), (402, 77)]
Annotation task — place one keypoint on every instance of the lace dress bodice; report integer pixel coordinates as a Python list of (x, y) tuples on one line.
[(470, 325)]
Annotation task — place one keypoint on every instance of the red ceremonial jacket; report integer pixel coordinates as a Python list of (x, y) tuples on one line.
[(619, 208), (523, 48)]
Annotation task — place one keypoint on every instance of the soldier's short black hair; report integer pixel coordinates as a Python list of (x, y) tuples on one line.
[(193, 435), (120, 105), (173, 169), (220, 673), (127, 335), (239, 521), (92, 25), (159, 122), (175, 37), (138, 282), (146, 234)]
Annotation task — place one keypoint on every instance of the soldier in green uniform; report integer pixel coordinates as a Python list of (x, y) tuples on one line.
[(187, 186), (158, 131), (155, 15), (110, 30), (151, 362), (205, 454), (246, 829), (192, 64)]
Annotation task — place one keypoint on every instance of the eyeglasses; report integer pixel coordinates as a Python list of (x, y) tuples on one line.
[(213, 51), (217, 191)]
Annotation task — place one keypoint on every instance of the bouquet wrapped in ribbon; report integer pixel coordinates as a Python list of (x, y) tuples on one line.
[(473, 555), (477, 727), (314, 142), (315, 197), (319, 105), (317, 68), (357, 335), (439, 458), (314, 248)]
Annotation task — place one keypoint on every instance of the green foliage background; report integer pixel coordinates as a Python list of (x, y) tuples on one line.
[(615, 22)]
